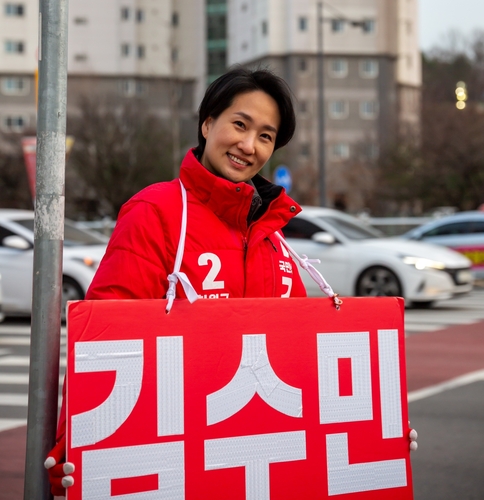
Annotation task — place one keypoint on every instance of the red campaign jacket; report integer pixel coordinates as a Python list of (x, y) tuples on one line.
[(223, 256)]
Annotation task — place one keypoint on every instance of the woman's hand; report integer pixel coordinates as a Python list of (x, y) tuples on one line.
[(59, 470)]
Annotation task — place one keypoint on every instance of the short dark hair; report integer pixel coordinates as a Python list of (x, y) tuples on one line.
[(238, 80)]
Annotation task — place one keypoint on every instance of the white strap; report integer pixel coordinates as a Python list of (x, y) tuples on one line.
[(306, 264), (176, 275)]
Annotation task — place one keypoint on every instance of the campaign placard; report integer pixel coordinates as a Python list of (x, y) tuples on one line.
[(265, 399)]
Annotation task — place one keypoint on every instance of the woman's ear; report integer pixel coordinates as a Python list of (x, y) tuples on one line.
[(206, 126)]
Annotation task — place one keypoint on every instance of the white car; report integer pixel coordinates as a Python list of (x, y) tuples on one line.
[(357, 261), (83, 250)]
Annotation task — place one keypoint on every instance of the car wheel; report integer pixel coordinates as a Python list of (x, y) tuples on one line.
[(378, 281), (71, 290)]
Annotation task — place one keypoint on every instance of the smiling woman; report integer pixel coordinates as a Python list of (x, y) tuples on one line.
[(218, 226)]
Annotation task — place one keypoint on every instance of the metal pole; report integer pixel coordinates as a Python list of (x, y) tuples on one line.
[(320, 83), (49, 235)]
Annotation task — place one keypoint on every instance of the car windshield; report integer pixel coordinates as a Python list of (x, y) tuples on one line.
[(73, 235), (352, 230)]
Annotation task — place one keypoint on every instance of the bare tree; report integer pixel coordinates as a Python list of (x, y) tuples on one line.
[(14, 187), (119, 148)]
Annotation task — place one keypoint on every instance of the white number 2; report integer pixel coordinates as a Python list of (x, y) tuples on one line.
[(209, 282)]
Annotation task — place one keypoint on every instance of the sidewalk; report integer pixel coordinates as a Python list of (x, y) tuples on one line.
[(432, 358)]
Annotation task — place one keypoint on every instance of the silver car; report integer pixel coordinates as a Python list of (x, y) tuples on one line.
[(463, 232)]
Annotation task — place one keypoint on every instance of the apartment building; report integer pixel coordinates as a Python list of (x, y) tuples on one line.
[(371, 84), (146, 49)]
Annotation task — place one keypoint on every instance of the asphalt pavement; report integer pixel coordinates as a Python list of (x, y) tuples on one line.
[(445, 375)]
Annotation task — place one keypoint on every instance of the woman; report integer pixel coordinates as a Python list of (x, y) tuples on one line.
[(229, 247)]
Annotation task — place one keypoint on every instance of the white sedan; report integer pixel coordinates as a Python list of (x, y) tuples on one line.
[(83, 250), (356, 261)]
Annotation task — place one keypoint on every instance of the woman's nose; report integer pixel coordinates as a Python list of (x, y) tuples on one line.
[(247, 145)]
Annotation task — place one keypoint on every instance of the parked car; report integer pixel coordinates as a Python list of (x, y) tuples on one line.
[(463, 232), (357, 261), (83, 250)]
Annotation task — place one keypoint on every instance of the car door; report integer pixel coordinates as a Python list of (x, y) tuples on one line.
[(16, 267), (334, 257)]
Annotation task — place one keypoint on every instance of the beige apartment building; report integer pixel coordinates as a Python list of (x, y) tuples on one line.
[(371, 86), (165, 52), (118, 49)]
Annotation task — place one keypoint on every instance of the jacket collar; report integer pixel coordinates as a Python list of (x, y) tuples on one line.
[(231, 201)]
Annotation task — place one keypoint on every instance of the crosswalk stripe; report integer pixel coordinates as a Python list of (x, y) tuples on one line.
[(20, 378), (14, 399), (11, 423), (14, 340), (21, 361)]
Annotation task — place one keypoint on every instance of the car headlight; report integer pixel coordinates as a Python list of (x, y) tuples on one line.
[(422, 263), (87, 261)]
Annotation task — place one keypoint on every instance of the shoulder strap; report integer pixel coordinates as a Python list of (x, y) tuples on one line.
[(176, 275)]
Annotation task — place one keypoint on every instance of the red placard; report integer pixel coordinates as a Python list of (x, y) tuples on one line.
[(240, 399)]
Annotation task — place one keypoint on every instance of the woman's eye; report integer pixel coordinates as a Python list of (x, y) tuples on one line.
[(239, 124), (267, 137)]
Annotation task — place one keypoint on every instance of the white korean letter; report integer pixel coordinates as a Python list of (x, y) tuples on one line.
[(166, 460), (345, 478), (169, 366), (255, 453), (390, 389), (125, 357), (254, 375), (333, 407)]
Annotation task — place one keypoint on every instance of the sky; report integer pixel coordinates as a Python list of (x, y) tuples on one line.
[(438, 17)]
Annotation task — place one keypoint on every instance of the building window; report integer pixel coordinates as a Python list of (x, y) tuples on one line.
[(217, 62), (338, 68), (302, 64), (304, 150), (372, 151), (14, 9), (174, 54), (140, 15), (80, 57), (141, 51), (16, 123), (14, 47), (369, 68), (337, 25), (338, 110), (131, 88), (125, 49), (264, 27), (369, 26), (368, 110), (13, 85), (303, 23), (217, 27), (303, 106), (124, 13), (80, 20), (175, 19), (340, 151)]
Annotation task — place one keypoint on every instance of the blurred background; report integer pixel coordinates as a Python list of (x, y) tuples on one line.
[(381, 129)]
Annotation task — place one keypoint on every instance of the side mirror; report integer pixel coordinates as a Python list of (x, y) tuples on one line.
[(323, 237), (16, 242)]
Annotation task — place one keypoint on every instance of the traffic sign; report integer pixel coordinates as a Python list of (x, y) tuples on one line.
[(282, 177)]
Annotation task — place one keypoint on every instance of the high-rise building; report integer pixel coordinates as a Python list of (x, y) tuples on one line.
[(371, 86), (147, 49)]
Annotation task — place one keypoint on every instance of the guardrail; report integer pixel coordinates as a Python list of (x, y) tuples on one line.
[(389, 226)]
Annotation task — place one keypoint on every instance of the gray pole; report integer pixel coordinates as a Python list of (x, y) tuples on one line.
[(320, 83), (49, 235)]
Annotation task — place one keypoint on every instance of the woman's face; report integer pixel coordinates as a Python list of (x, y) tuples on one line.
[(242, 138)]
